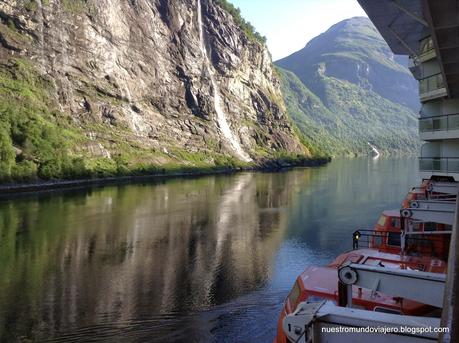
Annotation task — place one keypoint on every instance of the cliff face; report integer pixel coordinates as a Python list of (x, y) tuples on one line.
[(145, 82)]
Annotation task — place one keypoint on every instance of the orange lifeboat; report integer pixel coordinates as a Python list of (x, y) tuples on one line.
[(321, 283)]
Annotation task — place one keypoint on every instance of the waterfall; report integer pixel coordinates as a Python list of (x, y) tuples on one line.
[(376, 152), (222, 122)]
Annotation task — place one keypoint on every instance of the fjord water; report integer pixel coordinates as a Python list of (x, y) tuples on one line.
[(206, 259)]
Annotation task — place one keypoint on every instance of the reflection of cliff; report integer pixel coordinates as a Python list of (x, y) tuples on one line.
[(119, 253)]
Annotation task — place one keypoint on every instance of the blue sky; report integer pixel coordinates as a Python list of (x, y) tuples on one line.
[(290, 24)]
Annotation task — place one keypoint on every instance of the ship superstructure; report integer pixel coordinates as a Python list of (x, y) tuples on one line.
[(342, 297)]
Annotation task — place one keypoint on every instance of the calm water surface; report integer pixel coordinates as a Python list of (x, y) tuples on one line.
[(197, 260)]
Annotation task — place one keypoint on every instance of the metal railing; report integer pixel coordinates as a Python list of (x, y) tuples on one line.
[(439, 123), (362, 239), (431, 83), (366, 238), (439, 164)]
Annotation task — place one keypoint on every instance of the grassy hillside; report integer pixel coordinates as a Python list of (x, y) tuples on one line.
[(352, 118), (310, 115)]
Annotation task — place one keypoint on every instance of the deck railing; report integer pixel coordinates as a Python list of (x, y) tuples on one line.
[(439, 164), (439, 123), (362, 239), (431, 83)]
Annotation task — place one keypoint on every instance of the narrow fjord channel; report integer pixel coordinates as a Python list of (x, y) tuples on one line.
[(207, 259)]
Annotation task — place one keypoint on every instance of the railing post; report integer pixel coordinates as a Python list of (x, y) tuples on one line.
[(344, 294), (355, 240), (450, 313), (402, 240)]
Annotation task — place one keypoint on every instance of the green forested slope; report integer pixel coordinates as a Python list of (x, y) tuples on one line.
[(346, 88)]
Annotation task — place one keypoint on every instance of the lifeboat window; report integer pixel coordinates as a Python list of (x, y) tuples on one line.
[(377, 239), (416, 226), (382, 220), (294, 295), (387, 310), (395, 222), (430, 226), (393, 238)]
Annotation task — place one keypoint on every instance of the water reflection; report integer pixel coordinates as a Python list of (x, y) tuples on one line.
[(84, 263), (320, 220)]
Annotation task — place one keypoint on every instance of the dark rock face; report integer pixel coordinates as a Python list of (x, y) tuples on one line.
[(137, 66)]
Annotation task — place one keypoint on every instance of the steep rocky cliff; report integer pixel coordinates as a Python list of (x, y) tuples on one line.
[(111, 86)]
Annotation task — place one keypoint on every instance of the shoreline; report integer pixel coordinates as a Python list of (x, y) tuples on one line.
[(52, 185)]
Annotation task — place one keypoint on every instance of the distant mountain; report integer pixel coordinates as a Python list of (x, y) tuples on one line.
[(345, 88)]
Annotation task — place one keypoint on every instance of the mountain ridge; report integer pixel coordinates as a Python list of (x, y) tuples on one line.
[(357, 81)]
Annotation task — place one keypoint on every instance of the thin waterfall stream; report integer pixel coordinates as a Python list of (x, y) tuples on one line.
[(221, 115), (375, 151)]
